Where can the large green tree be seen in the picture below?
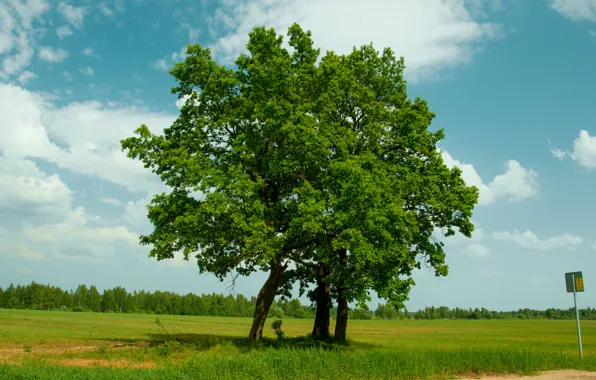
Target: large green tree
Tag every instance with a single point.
(328, 166)
(247, 139)
(384, 193)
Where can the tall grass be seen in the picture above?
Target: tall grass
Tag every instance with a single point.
(291, 363)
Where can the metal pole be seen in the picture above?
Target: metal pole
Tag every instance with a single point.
(579, 334)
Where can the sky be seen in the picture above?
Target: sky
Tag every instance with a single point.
(512, 82)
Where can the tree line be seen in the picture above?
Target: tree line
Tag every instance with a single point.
(118, 300)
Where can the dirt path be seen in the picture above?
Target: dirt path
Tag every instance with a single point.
(550, 375)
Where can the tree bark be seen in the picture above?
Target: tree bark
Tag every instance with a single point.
(264, 301)
(323, 300)
(341, 324)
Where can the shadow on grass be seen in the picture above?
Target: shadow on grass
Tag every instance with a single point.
(204, 342)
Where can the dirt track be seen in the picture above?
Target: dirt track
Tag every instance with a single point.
(551, 375)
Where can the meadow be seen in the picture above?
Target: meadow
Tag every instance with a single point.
(65, 345)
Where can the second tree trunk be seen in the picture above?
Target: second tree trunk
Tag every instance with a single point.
(341, 324)
(323, 301)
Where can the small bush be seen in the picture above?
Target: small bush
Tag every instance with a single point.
(276, 326)
(168, 348)
(77, 309)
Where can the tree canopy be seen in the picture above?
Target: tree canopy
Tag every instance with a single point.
(321, 162)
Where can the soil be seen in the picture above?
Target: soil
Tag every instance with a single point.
(104, 363)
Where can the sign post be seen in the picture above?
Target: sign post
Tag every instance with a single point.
(575, 283)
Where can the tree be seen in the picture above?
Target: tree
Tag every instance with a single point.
(329, 166)
(248, 141)
(384, 192)
(93, 301)
(121, 297)
(108, 301)
(80, 296)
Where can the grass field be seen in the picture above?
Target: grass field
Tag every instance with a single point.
(37, 344)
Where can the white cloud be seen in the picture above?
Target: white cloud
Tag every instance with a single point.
(529, 240)
(52, 55)
(21, 128)
(26, 76)
(64, 31)
(576, 10)
(584, 150)
(77, 238)
(26, 191)
(167, 62)
(88, 71)
(135, 213)
(75, 16)
(477, 250)
(89, 135)
(37, 219)
(161, 64)
(17, 250)
(28, 195)
(516, 184)
(558, 153)
(6, 26)
(430, 34)
(111, 201)
(193, 33)
(180, 102)
(18, 34)
(89, 52)
(105, 10)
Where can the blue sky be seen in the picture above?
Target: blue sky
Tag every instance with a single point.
(512, 83)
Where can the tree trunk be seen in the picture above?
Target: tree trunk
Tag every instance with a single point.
(341, 324)
(264, 301)
(323, 300)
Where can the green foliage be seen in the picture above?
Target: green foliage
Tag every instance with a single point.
(387, 189)
(276, 326)
(168, 348)
(443, 312)
(108, 301)
(246, 140)
(296, 161)
(22, 297)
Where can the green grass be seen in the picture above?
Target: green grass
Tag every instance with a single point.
(316, 364)
(64, 345)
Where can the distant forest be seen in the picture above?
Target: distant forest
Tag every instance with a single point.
(88, 299)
